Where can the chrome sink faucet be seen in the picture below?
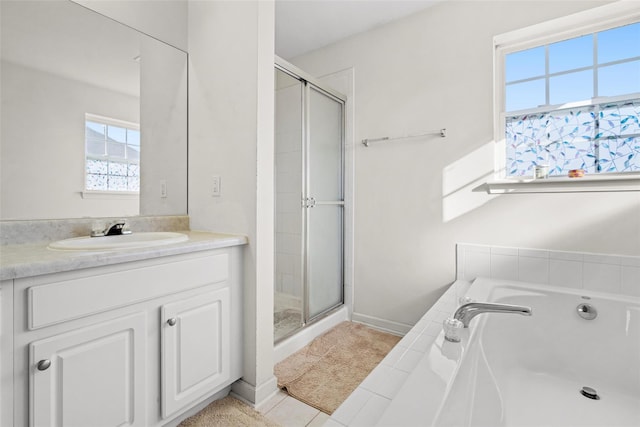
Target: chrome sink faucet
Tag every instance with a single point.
(466, 312)
(115, 228)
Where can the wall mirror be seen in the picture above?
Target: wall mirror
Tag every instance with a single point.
(64, 68)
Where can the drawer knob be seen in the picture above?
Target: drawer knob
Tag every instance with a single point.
(172, 321)
(43, 365)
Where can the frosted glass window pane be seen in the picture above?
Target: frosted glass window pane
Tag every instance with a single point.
(525, 95)
(571, 87)
(118, 169)
(325, 258)
(325, 147)
(620, 155)
(134, 170)
(563, 140)
(524, 64)
(97, 166)
(619, 79)
(571, 54)
(619, 43)
(621, 119)
(133, 183)
(96, 182)
(117, 183)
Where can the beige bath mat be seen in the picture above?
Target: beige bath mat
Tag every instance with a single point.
(228, 412)
(325, 372)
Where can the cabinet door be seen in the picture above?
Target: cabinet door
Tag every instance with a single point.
(93, 376)
(195, 348)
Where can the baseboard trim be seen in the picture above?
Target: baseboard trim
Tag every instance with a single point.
(253, 395)
(395, 328)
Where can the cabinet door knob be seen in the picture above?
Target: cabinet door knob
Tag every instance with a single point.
(44, 364)
(172, 321)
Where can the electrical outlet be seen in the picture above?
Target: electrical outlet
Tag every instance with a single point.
(215, 186)
(163, 188)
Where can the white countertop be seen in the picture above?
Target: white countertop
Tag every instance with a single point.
(33, 259)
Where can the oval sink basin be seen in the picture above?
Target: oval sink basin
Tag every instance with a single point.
(125, 241)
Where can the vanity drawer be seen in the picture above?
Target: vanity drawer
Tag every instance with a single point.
(63, 297)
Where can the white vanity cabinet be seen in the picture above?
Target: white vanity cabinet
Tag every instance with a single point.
(132, 344)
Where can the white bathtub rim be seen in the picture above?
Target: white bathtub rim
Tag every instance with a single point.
(481, 283)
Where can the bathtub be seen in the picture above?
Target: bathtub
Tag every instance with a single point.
(511, 370)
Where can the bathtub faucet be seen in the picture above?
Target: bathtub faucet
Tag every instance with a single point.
(468, 311)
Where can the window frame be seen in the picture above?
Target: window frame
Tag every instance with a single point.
(93, 194)
(582, 23)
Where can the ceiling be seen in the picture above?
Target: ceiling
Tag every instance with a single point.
(306, 25)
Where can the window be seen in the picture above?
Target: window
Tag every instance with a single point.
(112, 150)
(571, 102)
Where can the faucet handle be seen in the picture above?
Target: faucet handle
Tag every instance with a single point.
(452, 329)
(114, 228)
(117, 228)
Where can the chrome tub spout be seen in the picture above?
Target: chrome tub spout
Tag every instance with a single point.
(470, 310)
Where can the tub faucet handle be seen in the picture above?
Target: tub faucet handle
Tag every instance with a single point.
(452, 329)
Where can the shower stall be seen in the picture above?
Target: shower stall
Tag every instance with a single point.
(309, 200)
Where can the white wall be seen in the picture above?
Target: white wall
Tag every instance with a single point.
(413, 199)
(162, 19)
(163, 125)
(231, 104)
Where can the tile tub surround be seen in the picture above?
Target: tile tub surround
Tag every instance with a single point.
(33, 259)
(615, 274)
(34, 231)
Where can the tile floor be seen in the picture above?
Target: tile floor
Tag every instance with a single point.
(289, 412)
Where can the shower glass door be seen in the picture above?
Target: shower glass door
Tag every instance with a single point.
(309, 202)
(324, 267)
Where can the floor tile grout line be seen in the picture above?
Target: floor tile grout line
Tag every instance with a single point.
(315, 416)
(281, 402)
(277, 404)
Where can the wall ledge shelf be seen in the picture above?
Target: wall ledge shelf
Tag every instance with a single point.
(605, 183)
(92, 194)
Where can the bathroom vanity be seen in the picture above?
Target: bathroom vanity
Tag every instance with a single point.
(123, 337)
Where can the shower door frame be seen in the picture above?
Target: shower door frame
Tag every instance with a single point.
(309, 83)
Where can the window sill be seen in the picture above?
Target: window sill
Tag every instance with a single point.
(113, 195)
(562, 185)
